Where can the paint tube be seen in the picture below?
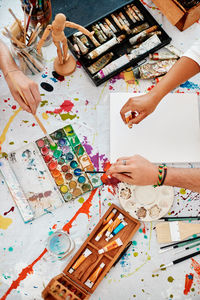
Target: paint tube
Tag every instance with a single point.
(110, 216)
(129, 115)
(124, 26)
(95, 42)
(133, 13)
(106, 31)
(140, 36)
(140, 28)
(113, 66)
(162, 56)
(124, 19)
(80, 260)
(116, 222)
(98, 34)
(84, 40)
(100, 63)
(76, 48)
(130, 15)
(99, 235)
(116, 230)
(93, 278)
(137, 11)
(109, 29)
(117, 21)
(99, 50)
(174, 50)
(101, 31)
(110, 246)
(112, 27)
(148, 71)
(149, 44)
(81, 46)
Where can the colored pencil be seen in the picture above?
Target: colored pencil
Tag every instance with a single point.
(187, 248)
(179, 218)
(176, 261)
(179, 244)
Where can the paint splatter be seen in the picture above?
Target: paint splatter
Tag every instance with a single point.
(196, 266)
(45, 116)
(64, 117)
(47, 87)
(66, 106)
(170, 279)
(188, 283)
(12, 209)
(57, 76)
(190, 85)
(5, 222)
(81, 200)
(43, 103)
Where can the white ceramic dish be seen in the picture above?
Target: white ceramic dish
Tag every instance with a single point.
(146, 203)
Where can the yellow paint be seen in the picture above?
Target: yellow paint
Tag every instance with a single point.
(45, 116)
(5, 222)
(182, 191)
(100, 96)
(128, 76)
(135, 254)
(3, 135)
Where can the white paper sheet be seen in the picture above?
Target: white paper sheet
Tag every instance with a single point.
(170, 134)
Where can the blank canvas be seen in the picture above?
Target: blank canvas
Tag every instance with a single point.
(170, 134)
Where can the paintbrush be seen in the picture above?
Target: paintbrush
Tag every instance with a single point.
(179, 218)
(35, 116)
(29, 17)
(176, 261)
(123, 252)
(178, 245)
(94, 172)
(34, 34)
(187, 248)
(175, 231)
(17, 20)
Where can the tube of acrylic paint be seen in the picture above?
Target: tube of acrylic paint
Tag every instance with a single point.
(91, 280)
(100, 63)
(163, 55)
(116, 230)
(101, 31)
(112, 27)
(149, 44)
(110, 216)
(137, 11)
(148, 71)
(99, 235)
(140, 36)
(174, 50)
(110, 246)
(80, 260)
(116, 222)
(99, 50)
(140, 28)
(107, 31)
(98, 34)
(81, 46)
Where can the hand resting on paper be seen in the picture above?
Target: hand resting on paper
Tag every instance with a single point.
(139, 171)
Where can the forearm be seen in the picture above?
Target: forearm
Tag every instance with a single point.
(6, 61)
(184, 69)
(79, 27)
(184, 178)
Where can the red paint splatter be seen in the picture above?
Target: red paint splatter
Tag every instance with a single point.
(86, 102)
(66, 106)
(5, 100)
(150, 88)
(23, 275)
(54, 226)
(12, 209)
(110, 87)
(33, 125)
(144, 229)
(14, 107)
(106, 180)
(29, 269)
(188, 283)
(78, 64)
(149, 6)
(196, 266)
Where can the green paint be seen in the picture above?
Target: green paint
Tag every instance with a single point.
(10, 249)
(134, 243)
(81, 200)
(50, 232)
(5, 276)
(192, 289)
(42, 94)
(161, 267)
(170, 279)
(134, 296)
(76, 99)
(67, 116)
(182, 191)
(135, 254)
(140, 230)
(43, 103)
(25, 121)
(11, 143)
(145, 236)
(26, 142)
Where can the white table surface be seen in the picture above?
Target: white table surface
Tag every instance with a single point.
(24, 271)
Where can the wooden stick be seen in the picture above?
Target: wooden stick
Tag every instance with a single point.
(18, 21)
(35, 116)
(24, 26)
(16, 41)
(34, 34)
(29, 17)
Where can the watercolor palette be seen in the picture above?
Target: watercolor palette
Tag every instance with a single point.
(146, 203)
(75, 278)
(119, 42)
(67, 161)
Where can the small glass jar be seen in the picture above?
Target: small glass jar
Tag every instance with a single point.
(27, 58)
(60, 244)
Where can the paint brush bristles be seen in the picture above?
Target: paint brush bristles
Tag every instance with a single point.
(50, 139)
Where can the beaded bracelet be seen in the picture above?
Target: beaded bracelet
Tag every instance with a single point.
(162, 172)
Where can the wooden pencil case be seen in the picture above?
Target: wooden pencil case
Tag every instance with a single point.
(73, 284)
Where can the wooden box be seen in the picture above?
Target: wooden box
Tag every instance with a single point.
(72, 285)
(179, 16)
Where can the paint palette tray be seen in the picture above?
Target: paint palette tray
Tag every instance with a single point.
(115, 32)
(67, 161)
(76, 278)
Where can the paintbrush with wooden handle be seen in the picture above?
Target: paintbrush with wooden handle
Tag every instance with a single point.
(35, 116)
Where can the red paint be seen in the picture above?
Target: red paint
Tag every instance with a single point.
(52, 166)
(29, 269)
(23, 275)
(144, 3)
(5, 100)
(14, 107)
(144, 229)
(47, 158)
(188, 283)
(45, 150)
(66, 106)
(85, 209)
(106, 180)
(150, 88)
(78, 64)
(12, 209)
(33, 125)
(54, 226)
(196, 266)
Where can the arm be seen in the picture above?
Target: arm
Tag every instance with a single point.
(146, 104)
(79, 27)
(43, 38)
(29, 87)
(142, 172)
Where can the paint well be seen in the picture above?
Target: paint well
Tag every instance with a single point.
(40, 143)
(65, 149)
(68, 176)
(47, 158)
(45, 150)
(72, 184)
(77, 172)
(74, 164)
(69, 156)
(64, 189)
(53, 147)
(62, 142)
(81, 179)
(86, 187)
(57, 154)
(59, 180)
(65, 168)
(53, 165)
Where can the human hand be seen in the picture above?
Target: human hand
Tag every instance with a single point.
(144, 105)
(137, 170)
(29, 89)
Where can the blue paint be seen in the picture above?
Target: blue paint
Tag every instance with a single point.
(81, 179)
(44, 75)
(77, 172)
(58, 243)
(69, 156)
(190, 85)
(73, 164)
(53, 79)
(62, 142)
(118, 228)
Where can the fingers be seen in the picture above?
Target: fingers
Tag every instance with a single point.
(123, 178)
(36, 94)
(30, 100)
(120, 159)
(118, 168)
(23, 105)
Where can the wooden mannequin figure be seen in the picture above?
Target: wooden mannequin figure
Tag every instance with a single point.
(64, 64)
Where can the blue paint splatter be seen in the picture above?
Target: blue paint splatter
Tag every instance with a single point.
(54, 79)
(44, 75)
(190, 85)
